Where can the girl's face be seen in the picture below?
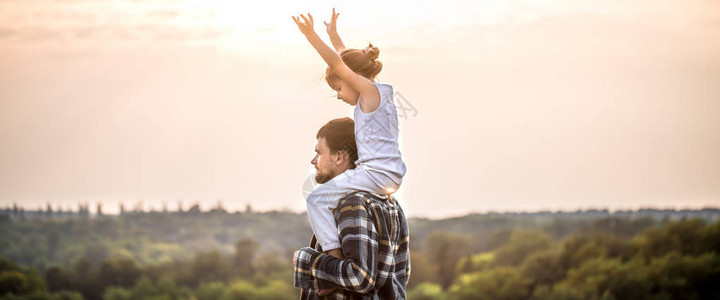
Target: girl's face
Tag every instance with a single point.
(345, 92)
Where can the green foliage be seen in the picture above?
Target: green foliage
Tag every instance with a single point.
(446, 249)
(426, 291)
(521, 244)
(499, 284)
(116, 293)
(210, 291)
(18, 282)
(67, 295)
(245, 250)
(544, 267)
(209, 266)
(676, 261)
(688, 237)
(225, 256)
(422, 269)
(144, 289)
(118, 271)
(273, 290)
(13, 282)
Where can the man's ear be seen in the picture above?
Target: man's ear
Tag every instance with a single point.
(340, 157)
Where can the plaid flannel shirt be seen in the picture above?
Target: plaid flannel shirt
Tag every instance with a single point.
(375, 241)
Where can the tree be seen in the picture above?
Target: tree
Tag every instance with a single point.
(273, 290)
(522, 243)
(118, 271)
(96, 253)
(13, 283)
(84, 279)
(496, 284)
(116, 293)
(446, 249)
(601, 277)
(53, 241)
(268, 263)
(209, 266)
(195, 209)
(685, 236)
(57, 279)
(245, 250)
(426, 291)
(7, 265)
(678, 276)
(210, 291)
(20, 283)
(578, 248)
(166, 287)
(543, 267)
(422, 269)
(144, 288)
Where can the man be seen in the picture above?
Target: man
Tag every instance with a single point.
(373, 233)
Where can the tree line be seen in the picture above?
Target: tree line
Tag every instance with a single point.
(219, 255)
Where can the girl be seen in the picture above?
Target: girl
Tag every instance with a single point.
(379, 167)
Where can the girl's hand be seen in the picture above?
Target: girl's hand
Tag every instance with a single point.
(331, 28)
(306, 26)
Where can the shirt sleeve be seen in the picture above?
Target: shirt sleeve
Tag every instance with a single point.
(357, 272)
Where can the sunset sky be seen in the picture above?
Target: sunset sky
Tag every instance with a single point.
(512, 105)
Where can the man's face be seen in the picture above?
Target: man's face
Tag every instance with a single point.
(326, 166)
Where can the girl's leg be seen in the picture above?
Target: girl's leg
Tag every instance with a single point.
(384, 185)
(323, 200)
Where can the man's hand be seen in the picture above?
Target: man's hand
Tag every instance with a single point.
(306, 25)
(331, 27)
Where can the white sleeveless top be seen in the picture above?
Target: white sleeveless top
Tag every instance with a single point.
(376, 136)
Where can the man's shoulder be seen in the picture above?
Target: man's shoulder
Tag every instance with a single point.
(358, 197)
(369, 200)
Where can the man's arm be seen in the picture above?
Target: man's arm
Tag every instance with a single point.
(357, 272)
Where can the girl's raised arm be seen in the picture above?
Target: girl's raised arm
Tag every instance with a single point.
(333, 34)
(369, 95)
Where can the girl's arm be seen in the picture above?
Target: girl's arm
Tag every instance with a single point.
(369, 95)
(332, 32)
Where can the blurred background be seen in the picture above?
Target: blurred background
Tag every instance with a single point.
(158, 149)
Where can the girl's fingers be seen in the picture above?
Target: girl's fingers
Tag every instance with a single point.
(311, 19)
(297, 21)
(304, 18)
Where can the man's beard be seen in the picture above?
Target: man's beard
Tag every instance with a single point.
(322, 177)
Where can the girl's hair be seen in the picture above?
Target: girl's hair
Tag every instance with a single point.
(363, 62)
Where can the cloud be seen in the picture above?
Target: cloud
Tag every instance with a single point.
(6, 32)
(163, 14)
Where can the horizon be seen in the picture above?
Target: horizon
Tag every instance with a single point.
(130, 209)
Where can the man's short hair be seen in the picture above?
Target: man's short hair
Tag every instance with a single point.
(339, 134)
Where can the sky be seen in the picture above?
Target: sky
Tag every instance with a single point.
(505, 105)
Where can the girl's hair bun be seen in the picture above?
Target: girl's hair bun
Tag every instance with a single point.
(360, 61)
(372, 52)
